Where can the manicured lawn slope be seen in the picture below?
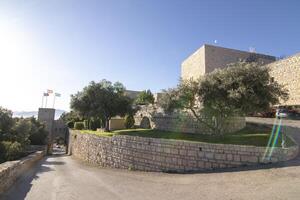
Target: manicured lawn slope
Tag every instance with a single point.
(248, 136)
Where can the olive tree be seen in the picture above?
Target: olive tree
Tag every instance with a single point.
(101, 100)
(239, 89)
(144, 98)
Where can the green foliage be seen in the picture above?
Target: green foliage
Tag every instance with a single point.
(101, 100)
(6, 122)
(94, 124)
(129, 121)
(10, 150)
(239, 89)
(79, 125)
(38, 132)
(70, 117)
(70, 124)
(86, 124)
(16, 133)
(144, 98)
(21, 131)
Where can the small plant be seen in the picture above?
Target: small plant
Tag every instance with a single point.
(79, 125)
(70, 124)
(10, 150)
(94, 124)
(129, 121)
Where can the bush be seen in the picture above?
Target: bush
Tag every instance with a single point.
(144, 98)
(86, 124)
(10, 151)
(129, 121)
(94, 124)
(79, 125)
(70, 124)
(38, 138)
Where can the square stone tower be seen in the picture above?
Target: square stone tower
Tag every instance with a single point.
(209, 57)
(47, 116)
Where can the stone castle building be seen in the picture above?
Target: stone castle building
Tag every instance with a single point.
(208, 58)
(287, 72)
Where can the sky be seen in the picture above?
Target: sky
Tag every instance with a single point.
(65, 44)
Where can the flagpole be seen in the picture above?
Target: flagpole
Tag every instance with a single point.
(54, 100)
(43, 100)
(46, 101)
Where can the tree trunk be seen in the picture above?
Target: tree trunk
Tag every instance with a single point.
(107, 124)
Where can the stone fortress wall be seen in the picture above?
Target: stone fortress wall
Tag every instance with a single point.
(287, 72)
(208, 58)
(163, 155)
(10, 171)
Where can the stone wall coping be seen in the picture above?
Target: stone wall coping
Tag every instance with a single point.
(10, 171)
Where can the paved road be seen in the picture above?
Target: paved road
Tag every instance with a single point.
(64, 178)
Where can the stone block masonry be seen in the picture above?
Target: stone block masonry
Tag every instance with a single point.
(287, 73)
(163, 155)
(10, 171)
(180, 123)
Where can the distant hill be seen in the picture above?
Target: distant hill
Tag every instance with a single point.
(26, 114)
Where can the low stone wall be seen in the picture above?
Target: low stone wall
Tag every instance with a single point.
(188, 124)
(10, 171)
(152, 117)
(152, 154)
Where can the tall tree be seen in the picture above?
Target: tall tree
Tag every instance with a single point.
(6, 122)
(101, 100)
(144, 98)
(239, 89)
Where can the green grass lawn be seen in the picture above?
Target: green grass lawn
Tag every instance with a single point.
(248, 136)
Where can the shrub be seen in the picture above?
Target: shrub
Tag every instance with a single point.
(10, 151)
(129, 121)
(14, 151)
(38, 138)
(86, 124)
(94, 124)
(79, 125)
(144, 98)
(70, 124)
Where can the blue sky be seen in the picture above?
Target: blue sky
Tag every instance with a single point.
(63, 44)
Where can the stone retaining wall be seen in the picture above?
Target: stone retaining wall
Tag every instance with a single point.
(152, 154)
(10, 171)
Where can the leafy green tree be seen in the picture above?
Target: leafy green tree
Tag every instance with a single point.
(144, 98)
(21, 132)
(70, 116)
(38, 133)
(129, 121)
(101, 100)
(239, 89)
(6, 122)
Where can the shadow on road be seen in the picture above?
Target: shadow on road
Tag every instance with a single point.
(25, 182)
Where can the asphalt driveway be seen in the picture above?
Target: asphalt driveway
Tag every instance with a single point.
(62, 177)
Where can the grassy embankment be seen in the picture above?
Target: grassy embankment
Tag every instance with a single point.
(256, 136)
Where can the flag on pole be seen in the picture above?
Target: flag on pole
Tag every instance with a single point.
(46, 94)
(57, 94)
(49, 91)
